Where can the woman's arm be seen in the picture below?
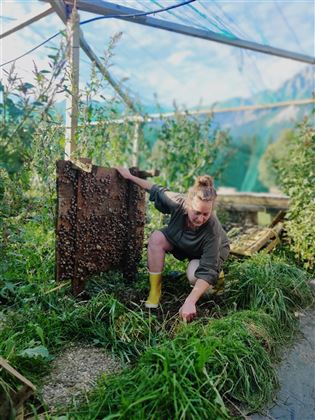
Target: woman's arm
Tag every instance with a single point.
(188, 311)
(143, 183)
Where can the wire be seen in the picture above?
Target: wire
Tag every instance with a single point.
(181, 18)
(99, 18)
(291, 30)
(237, 30)
(163, 9)
(33, 49)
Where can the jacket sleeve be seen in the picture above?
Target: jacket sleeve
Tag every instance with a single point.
(209, 265)
(164, 200)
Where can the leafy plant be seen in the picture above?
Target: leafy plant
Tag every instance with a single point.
(268, 173)
(187, 147)
(297, 179)
(26, 118)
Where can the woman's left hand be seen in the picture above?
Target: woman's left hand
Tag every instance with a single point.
(188, 311)
(125, 173)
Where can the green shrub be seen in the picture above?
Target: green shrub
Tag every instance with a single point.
(297, 179)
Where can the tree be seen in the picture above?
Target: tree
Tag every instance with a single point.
(188, 146)
(276, 151)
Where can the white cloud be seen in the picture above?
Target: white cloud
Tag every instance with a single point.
(178, 58)
(175, 66)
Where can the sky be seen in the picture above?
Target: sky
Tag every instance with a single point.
(171, 66)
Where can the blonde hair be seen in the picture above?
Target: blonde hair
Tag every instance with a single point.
(203, 189)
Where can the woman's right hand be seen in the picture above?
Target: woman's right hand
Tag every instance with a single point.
(125, 173)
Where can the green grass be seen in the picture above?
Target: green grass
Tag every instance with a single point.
(198, 373)
(176, 371)
(39, 331)
(269, 283)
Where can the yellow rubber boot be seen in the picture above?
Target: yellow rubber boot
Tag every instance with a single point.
(219, 287)
(155, 290)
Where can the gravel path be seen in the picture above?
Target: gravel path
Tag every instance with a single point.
(74, 373)
(296, 397)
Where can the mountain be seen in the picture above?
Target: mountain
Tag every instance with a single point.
(253, 130)
(301, 86)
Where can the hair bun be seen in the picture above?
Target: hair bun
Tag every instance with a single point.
(204, 181)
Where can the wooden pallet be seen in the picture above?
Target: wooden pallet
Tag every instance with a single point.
(254, 239)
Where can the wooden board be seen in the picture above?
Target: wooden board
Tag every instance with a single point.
(100, 223)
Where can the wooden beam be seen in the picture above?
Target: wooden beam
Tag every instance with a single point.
(106, 8)
(240, 108)
(72, 105)
(253, 201)
(27, 22)
(135, 145)
(6, 366)
(60, 9)
(153, 117)
(15, 398)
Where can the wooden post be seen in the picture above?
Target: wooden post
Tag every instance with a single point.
(59, 7)
(72, 105)
(135, 146)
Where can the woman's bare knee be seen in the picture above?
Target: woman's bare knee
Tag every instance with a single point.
(157, 239)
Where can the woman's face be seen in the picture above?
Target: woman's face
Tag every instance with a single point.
(199, 211)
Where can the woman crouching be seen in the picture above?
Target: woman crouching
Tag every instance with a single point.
(193, 233)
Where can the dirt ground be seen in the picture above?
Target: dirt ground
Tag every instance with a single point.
(296, 397)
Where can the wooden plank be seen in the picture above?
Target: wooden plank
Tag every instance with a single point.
(5, 365)
(256, 238)
(272, 245)
(252, 201)
(260, 241)
(106, 8)
(100, 224)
